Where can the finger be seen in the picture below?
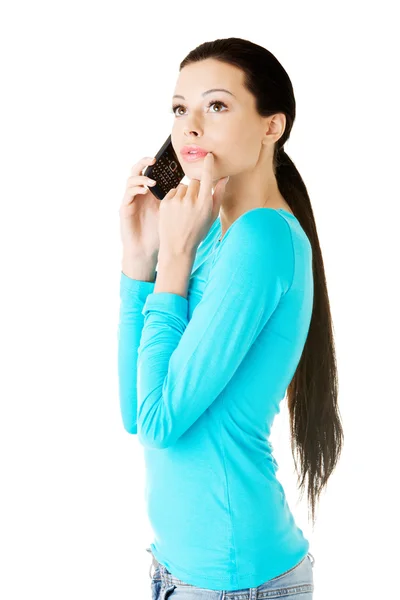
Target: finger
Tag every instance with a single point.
(193, 188)
(207, 175)
(140, 179)
(130, 194)
(181, 190)
(170, 194)
(141, 164)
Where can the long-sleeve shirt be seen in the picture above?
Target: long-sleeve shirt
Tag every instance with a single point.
(201, 380)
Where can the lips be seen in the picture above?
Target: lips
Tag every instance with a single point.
(193, 150)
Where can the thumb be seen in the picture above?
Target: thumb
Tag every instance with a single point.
(218, 195)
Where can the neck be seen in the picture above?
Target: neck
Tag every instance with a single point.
(237, 201)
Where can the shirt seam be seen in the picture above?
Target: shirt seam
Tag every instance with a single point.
(293, 253)
(227, 488)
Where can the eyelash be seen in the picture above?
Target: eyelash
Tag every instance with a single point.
(173, 109)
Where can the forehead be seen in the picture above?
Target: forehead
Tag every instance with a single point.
(196, 78)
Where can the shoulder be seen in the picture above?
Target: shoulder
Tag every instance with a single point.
(260, 230)
(259, 246)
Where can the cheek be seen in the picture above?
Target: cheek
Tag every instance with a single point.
(233, 159)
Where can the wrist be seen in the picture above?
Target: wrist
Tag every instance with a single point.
(173, 273)
(138, 253)
(139, 267)
(168, 257)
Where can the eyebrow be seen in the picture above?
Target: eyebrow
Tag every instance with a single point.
(208, 92)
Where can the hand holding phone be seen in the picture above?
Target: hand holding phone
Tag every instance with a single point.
(139, 214)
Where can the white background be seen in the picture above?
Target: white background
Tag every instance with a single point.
(86, 92)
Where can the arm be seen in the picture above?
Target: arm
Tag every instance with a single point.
(136, 283)
(184, 366)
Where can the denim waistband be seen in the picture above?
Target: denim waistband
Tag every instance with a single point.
(163, 570)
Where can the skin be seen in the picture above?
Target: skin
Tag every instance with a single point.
(241, 141)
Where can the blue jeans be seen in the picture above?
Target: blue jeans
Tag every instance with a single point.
(296, 584)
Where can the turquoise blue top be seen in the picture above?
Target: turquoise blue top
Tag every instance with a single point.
(201, 380)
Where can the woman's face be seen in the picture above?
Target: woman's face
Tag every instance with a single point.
(230, 127)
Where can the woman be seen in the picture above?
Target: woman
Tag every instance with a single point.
(237, 316)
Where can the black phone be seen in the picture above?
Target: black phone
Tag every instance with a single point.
(166, 171)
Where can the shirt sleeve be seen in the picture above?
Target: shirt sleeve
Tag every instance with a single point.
(133, 294)
(184, 365)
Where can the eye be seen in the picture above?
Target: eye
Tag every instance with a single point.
(173, 109)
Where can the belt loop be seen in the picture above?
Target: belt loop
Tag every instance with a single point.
(152, 563)
(313, 559)
(167, 577)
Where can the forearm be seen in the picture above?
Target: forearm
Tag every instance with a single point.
(136, 283)
(173, 273)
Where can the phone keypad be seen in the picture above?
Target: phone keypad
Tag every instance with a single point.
(167, 172)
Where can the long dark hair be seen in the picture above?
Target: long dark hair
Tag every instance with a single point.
(315, 424)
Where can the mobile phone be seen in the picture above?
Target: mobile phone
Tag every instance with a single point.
(166, 171)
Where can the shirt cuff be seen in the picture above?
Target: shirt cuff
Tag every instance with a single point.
(168, 303)
(136, 287)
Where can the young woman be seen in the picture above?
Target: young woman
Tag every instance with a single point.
(236, 316)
